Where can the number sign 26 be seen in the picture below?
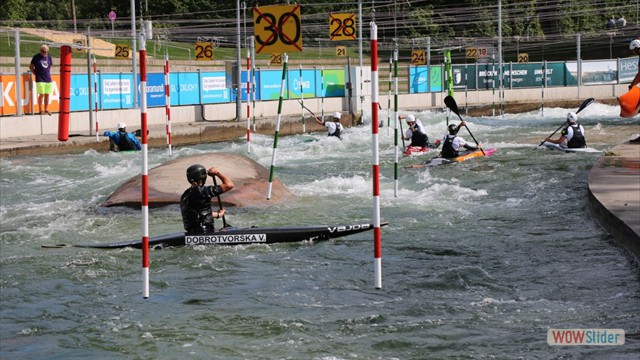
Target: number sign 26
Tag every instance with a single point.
(204, 51)
(277, 28)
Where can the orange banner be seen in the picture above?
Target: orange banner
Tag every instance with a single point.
(9, 100)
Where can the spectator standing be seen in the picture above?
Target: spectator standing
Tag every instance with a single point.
(41, 64)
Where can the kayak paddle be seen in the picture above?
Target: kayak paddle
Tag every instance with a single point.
(584, 104)
(451, 104)
(224, 221)
(401, 134)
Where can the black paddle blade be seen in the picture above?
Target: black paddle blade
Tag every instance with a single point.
(585, 103)
(451, 104)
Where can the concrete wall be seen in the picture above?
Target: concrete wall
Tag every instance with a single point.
(29, 125)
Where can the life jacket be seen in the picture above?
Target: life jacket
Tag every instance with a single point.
(336, 133)
(447, 147)
(124, 143)
(196, 211)
(578, 140)
(418, 138)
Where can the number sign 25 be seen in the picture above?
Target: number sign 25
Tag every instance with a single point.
(122, 51)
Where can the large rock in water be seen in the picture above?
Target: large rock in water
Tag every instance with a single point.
(168, 181)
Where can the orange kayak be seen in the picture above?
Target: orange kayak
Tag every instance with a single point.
(630, 103)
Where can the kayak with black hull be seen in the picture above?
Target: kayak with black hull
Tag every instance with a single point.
(234, 236)
(443, 161)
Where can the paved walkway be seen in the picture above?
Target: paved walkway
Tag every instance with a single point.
(614, 194)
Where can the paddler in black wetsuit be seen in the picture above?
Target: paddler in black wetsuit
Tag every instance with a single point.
(415, 131)
(451, 143)
(573, 135)
(195, 202)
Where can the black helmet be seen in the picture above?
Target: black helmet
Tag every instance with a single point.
(196, 173)
(452, 128)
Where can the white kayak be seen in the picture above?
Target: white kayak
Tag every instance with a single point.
(553, 146)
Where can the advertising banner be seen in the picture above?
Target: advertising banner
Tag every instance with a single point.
(628, 70)
(117, 91)
(271, 80)
(184, 88)
(155, 89)
(213, 88)
(306, 87)
(333, 81)
(418, 79)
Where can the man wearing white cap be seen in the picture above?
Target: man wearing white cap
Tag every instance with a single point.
(334, 127)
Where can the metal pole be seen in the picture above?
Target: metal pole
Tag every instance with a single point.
(89, 80)
(17, 69)
(134, 50)
(238, 70)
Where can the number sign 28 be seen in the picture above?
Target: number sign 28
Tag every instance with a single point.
(277, 28)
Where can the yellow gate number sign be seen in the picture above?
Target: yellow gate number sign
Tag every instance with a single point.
(341, 51)
(474, 53)
(122, 51)
(523, 57)
(277, 29)
(342, 27)
(79, 45)
(204, 51)
(276, 59)
(418, 57)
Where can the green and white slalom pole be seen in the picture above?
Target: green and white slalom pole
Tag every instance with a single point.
(278, 119)
(253, 80)
(449, 77)
(304, 127)
(396, 151)
(389, 96)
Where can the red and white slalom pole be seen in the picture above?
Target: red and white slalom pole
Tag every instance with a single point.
(145, 167)
(167, 100)
(248, 101)
(95, 91)
(377, 240)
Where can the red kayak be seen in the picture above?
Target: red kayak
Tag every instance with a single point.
(418, 150)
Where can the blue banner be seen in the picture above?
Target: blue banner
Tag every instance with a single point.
(294, 81)
(333, 82)
(213, 85)
(184, 88)
(244, 85)
(155, 90)
(117, 90)
(79, 93)
(418, 81)
(271, 80)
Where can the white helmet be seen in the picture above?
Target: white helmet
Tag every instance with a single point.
(410, 118)
(635, 44)
(572, 117)
(337, 115)
(122, 125)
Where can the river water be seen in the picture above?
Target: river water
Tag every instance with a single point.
(480, 258)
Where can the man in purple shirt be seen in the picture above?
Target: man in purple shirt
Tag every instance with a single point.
(41, 64)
